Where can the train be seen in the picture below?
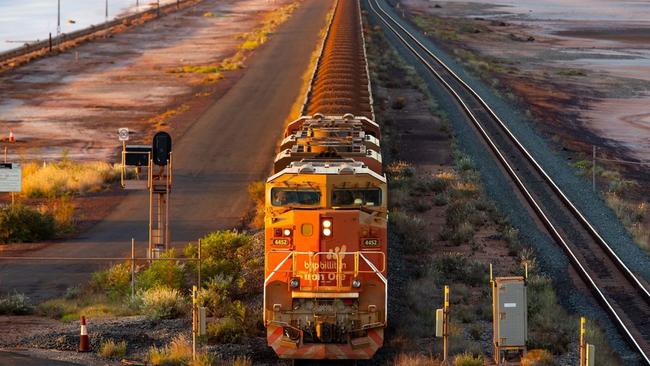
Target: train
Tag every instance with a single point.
(326, 213)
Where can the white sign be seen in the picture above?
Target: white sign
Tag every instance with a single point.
(123, 134)
(11, 177)
(510, 305)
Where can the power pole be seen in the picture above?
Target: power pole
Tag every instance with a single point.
(58, 18)
(106, 12)
(593, 168)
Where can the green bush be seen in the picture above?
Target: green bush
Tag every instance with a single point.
(226, 330)
(162, 303)
(15, 304)
(162, 273)
(115, 281)
(22, 224)
(231, 254)
(550, 327)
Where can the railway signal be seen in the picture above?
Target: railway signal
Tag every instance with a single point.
(141, 158)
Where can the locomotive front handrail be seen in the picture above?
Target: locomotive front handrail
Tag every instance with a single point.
(313, 272)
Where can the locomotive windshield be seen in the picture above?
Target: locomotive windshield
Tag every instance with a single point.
(356, 197)
(295, 197)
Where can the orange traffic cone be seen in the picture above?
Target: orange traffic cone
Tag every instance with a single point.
(11, 136)
(84, 343)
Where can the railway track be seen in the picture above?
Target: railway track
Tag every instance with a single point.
(623, 295)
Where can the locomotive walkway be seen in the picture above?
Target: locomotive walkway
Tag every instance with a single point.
(226, 148)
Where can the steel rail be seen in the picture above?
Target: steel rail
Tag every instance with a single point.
(535, 205)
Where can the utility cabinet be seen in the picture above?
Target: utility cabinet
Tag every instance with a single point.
(510, 315)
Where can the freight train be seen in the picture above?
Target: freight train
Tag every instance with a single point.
(325, 286)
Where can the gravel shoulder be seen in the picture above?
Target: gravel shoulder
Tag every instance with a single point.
(550, 257)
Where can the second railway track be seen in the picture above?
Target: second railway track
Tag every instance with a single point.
(623, 295)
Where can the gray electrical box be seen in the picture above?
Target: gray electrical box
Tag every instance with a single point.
(509, 313)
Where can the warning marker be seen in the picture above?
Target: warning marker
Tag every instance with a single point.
(12, 138)
(84, 343)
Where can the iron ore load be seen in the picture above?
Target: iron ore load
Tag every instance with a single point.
(325, 286)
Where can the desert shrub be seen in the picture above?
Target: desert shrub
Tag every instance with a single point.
(65, 177)
(412, 231)
(231, 254)
(177, 353)
(15, 304)
(464, 233)
(538, 357)
(400, 174)
(114, 281)
(112, 349)
(398, 103)
(216, 295)
(464, 163)
(72, 293)
(163, 303)
(242, 361)
(468, 359)
(550, 326)
(165, 273)
(456, 268)
(475, 331)
(226, 330)
(20, 224)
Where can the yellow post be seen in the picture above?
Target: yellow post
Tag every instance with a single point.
(583, 341)
(194, 322)
(445, 326)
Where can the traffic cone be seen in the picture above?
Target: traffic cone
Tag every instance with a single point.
(11, 136)
(84, 343)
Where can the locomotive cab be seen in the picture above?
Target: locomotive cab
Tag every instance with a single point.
(325, 262)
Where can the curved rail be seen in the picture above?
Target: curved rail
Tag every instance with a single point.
(555, 232)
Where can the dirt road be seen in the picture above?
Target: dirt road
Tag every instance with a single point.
(231, 144)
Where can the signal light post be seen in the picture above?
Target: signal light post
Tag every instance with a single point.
(157, 157)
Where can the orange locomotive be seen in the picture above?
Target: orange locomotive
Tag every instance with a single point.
(325, 287)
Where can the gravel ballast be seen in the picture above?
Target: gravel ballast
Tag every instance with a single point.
(498, 187)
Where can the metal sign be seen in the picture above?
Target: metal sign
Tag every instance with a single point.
(11, 177)
(123, 134)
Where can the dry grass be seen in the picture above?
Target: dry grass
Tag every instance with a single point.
(538, 357)
(90, 305)
(66, 177)
(415, 360)
(113, 349)
(256, 191)
(178, 352)
(468, 359)
(162, 119)
(272, 20)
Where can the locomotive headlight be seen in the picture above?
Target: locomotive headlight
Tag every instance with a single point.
(287, 232)
(327, 231)
(356, 283)
(295, 282)
(327, 223)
